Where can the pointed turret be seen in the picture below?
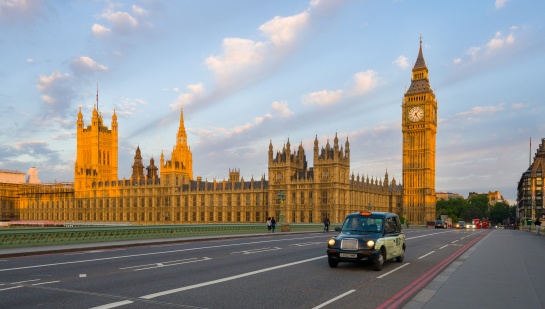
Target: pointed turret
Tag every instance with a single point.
(420, 63)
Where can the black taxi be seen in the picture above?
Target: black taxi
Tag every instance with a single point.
(367, 237)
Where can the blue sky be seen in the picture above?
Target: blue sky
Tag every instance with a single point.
(250, 72)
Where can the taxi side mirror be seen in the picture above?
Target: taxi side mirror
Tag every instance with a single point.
(337, 229)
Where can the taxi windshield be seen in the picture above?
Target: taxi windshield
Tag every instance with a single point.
(362, 224)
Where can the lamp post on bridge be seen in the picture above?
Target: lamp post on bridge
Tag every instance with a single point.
(282, 197)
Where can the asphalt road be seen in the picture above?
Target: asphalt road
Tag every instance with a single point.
(278, 270)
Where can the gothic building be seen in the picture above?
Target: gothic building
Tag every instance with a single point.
(419, 127)
(530, 187)
(309, 193)
(295, 191)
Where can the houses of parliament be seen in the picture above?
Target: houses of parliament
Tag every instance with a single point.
(168, 193)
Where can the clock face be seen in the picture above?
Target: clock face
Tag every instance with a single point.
(416, 113)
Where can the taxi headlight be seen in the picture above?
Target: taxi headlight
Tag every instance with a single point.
(370, 243)
(331, 241)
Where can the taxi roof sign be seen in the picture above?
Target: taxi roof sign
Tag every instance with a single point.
(365, 213)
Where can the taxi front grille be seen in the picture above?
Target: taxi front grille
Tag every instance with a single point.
(349, 244)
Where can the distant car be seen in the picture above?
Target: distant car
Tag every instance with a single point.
(461, 225)
(440, 224)
(365, 236)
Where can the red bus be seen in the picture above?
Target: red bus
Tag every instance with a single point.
(477, 223)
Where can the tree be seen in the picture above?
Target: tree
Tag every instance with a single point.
(454, 208)
(478, 207)
(500, 212)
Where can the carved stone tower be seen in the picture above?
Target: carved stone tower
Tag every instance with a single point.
(419, 127)
(179, 169)
(96, 153)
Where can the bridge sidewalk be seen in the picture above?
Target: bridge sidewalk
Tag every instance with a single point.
(505, 269)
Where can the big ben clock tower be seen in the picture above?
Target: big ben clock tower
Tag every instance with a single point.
(419, 127)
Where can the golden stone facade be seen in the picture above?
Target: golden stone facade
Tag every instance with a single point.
(174, 197)
(294, 191)
(419, 127)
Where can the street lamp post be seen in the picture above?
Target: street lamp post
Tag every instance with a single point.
(281, 197)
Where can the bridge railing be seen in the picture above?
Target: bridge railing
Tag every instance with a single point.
(30, 237)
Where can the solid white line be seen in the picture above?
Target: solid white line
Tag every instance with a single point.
(257, 250)
(152, 253)
(334, 299)
(113, 305)
(393, 270)
(199, 285)
(25, 281)
(13, 287)
(173, 264)
(45, 282)
(155, 264)
(425, 255)
(443, 247)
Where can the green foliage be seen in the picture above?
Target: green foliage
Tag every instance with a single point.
(458, 209)
(454, 208)
(500, 212)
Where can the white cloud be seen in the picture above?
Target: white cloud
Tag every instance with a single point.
(29, 60)
(138, 10)
(500, 4)
(127, 107)
(19, 11)
(214, 134)
(498, 43)
(323, 98)
(284, 30)
(243, 58)
(85, 66)
(281, 107)
(184, 99)
(57, 92)
(238, 55)
(457, 61)
(121, 22)
(364, 82)
(402, 62)
(100, 30)
(518, 105)
(477, 110)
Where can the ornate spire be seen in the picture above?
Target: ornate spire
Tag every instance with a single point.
(181, 136)
(420, 63)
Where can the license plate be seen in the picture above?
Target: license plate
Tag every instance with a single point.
(349, 255)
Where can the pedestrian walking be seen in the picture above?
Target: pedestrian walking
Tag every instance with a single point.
(540, 223)
(273, 224)
(326, 225)
(269, 224)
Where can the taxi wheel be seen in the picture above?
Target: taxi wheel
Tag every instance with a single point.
(399, 259)
(377, 263)
(332, 263)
